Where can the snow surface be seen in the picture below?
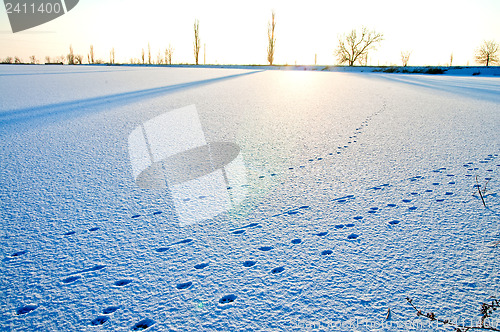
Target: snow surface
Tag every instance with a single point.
(359, 193)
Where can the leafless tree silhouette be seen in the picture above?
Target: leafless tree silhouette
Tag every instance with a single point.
(354, 46)
(451, 59)
(168, 54)
(149, 54)
(405, 57)
(112, 56)
(33, 60)
(71, 56)
(90, 56)
(272, 40)
(78, 59)
(142, 56)
(197, 42)
(487, 53)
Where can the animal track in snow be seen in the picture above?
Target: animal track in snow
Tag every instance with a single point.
(110, 310)
(25, 309)
(69, 233)
(227, 299)
(266, 248)
(99, 320)
(143, 324)
(19, 253)
(296, 241)
(249, 263)
(201, 266)
(122, 282)
(326, 252)
(278, 269)
(181, 242)
(92, 269)
(71, 279)
(184, 285)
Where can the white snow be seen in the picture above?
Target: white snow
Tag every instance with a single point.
(358, 192)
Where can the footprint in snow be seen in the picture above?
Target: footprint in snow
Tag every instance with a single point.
(184, 285)
(93, 268)
(249, 263)
(71, 279)
(157, 213)
(143, 324)
(69, 233)
(93, 229)
(321, 233)
(201, 266)
(352, 236)
(237, 230)
(135, 216)
(339, 226)
(278, 269)
(326, 252)
(394, 222)
(25, 309)
(110, 310)
(266, 248)
(182, 242)
(357, 218)
(19, 253)
(227, 299)
(296, 241)
(122, 282)
(99, 320)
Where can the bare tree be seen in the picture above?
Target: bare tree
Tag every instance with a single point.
(451, 59)
(168, 54)
(78, 59)
(487, 53)
(142, 56)
(354, 46)
(33, 60)
(17, 60)
(197, 42)
(71, 56)
(90, 56)
(159, 58)
(271, 47)
(405, 57)
(149, 54)
(112, 56)
(8, 59)
(47, 59)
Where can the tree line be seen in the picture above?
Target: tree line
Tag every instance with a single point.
(352, 49)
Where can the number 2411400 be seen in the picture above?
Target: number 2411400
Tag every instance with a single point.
(42, 8)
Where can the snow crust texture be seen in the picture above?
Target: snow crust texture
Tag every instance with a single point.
(361, 190)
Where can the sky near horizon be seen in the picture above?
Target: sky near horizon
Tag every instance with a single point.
(235, 32)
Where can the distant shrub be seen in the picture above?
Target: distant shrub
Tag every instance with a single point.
(391, 70)
(476, 73)
(434, 71)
